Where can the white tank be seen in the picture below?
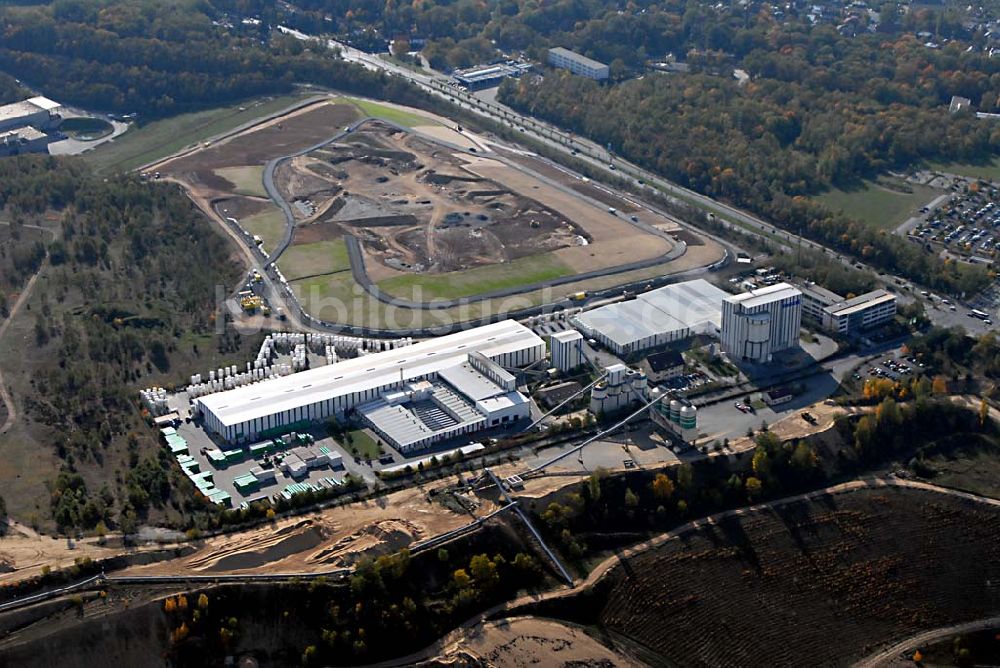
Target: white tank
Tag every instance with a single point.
(675, 410)
(689, 417)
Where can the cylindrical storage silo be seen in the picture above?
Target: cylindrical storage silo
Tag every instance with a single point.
(689, 417)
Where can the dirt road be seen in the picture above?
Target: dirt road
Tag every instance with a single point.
(4, 392)
(901, 653)
(601, 570)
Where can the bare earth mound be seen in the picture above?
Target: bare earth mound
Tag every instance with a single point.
(814, 583)
(513, 643)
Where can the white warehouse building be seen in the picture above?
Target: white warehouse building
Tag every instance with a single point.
(655, 318)
(244, 413)
(759, 323)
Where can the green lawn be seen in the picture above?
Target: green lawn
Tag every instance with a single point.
(397, 116)
(876, 205)
(268, 224)
(989, 171)
(364, 445)
(249, 180)
(523, 271)
(322, 257)
(158, 139)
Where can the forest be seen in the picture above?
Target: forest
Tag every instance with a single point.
(819, 111)
(159, 59)
(127, 301)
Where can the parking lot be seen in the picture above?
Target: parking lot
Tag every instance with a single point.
(966, 222)
(893, 366)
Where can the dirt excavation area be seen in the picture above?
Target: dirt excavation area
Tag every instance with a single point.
(418, 206)
(24, 552)
(322, 541)
(527, 641)
(227, 177)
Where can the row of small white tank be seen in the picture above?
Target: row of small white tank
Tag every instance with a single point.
(299, 360)
(155, 399)
(330, 352)
(238, 380)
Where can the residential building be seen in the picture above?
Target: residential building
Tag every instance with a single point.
(664, 366)
(577, 64)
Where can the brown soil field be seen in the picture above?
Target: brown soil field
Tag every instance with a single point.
(527, 641)
(614, 240)
(415, 206)
(321, 541)
(820, 582)
(288, 134)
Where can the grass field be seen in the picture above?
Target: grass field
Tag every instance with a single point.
(322, 257)
(158, 139)
(876, 205)
(989, 171)
(269, 225)
(358, 441)
(398, 116)
(249, 180)
(523, 271)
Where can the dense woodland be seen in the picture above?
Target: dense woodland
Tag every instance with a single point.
(162, 58)
(130, 289)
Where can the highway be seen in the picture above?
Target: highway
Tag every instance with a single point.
(598, 157)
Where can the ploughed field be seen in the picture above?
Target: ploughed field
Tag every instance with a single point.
(825, 582)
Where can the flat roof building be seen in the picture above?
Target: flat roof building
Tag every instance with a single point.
(759, 323)
(578, 64)
(839, 315)
(567, 349)
(490, 75)
(655, 318)
(244, 413)
(38, 112)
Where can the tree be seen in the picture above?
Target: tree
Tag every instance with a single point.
(804, 457)
(753, 487)
(984, 416)
(202, 601)
(631, 500)
(484, 572)
(663, 487)
(685, 477)
(940, 385)
(761, 463)
(461, 578)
